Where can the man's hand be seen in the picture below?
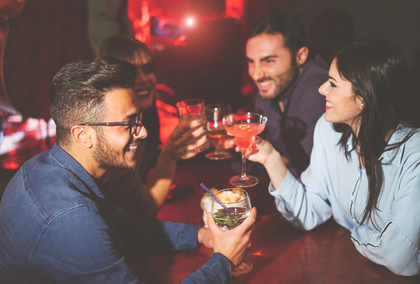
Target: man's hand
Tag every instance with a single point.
(186, 140)
(205, 237)
(233, 244)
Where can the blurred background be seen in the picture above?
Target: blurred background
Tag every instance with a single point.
(198, 45)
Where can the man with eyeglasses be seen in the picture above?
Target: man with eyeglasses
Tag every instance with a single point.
(55, 224)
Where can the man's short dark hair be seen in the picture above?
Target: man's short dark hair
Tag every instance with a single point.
(78, 90)
(289, 26)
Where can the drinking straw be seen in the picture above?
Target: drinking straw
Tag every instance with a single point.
(215, 198)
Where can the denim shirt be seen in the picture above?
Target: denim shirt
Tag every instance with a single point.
(56, 227)
(291, 132)
(334, 186)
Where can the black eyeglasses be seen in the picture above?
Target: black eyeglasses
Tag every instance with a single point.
(134, 125)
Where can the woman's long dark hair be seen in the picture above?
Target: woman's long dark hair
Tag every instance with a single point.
(380, 76)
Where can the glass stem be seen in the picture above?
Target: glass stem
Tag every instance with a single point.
(243, 174)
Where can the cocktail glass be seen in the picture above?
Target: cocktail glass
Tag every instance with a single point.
(244, 127)
(238, 202)
(216, 131)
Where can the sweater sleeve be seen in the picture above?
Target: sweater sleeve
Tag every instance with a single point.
(305, 202)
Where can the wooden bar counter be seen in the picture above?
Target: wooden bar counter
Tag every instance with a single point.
(279, 252)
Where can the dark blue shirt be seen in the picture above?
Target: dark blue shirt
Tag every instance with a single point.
(56, 227)
(291, 132)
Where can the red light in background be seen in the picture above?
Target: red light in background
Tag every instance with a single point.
(234, 8)
(180, 41)
(189, 22)
(138, 13)
(11, 165)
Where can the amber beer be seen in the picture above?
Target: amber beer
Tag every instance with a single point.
(217, 137)
(216, 131)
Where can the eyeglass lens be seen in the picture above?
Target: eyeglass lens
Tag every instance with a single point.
(136, 125)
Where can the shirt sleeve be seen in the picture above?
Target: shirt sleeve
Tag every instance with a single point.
(216, 270)
(305, 202)
(83, 245)
(396, 244)
(151, 235)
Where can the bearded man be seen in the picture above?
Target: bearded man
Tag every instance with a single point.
(287, 81)
(55, 224)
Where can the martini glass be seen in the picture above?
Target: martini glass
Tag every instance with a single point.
(238, 202)
(244, 127)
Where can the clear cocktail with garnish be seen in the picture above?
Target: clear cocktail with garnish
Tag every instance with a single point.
(244, 127)
(238, 202)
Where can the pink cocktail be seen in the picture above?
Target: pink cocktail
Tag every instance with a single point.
(244, 127)
(244, 132)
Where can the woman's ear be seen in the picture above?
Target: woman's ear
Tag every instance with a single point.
(360, 102)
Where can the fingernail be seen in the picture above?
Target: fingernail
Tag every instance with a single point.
(199, 121)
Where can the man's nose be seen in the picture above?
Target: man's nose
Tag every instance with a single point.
(142, 134)
(256, 72)
(141, 78)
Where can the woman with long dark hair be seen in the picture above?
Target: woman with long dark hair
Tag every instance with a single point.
(365, 163)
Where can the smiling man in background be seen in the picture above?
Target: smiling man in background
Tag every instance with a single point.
(287, 81)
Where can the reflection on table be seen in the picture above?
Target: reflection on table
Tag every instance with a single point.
(279, 252)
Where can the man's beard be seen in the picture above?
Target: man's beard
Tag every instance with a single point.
(287, 79)
(108, 157)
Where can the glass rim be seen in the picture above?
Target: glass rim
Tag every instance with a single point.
(263, 117)
(231, 189)
(190, 102)
(212, 106)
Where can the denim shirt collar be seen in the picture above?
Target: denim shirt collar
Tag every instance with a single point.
(66, 161)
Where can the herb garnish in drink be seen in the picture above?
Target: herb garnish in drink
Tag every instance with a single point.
(222, 218)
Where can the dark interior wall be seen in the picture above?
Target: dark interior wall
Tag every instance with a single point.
(47, 35)
(50, 33)
(209, 67)
(395, 20)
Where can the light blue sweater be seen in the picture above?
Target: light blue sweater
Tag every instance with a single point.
(335, 186)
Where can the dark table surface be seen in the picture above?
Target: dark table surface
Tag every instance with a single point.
(279, 252)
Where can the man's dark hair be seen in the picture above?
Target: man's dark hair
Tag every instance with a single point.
(78, 90)
(289, 26)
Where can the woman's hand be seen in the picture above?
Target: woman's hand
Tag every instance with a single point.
(264, 153)
(260, 151)
(186, 141)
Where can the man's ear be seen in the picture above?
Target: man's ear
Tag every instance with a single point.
(82, 135)
(302, 56)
